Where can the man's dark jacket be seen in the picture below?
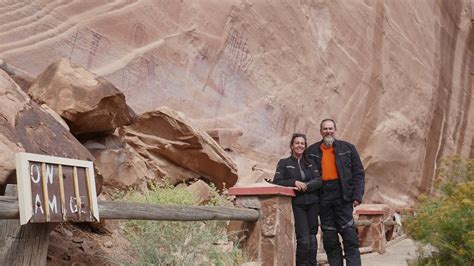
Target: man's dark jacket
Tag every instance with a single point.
(349, 168)
(288, 171)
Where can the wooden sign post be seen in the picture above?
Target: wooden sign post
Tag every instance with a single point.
(55, 189)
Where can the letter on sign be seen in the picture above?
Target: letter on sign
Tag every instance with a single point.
(55, 189)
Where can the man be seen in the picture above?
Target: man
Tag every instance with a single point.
(342, 189)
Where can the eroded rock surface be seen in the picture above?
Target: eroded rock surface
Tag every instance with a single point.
(88, 103)
(26, 127)
(201, 190)
(167, 134)
(124, 166)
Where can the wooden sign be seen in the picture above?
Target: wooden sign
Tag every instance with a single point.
(55, 189)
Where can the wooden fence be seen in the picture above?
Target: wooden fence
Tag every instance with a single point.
(266, 215)
(142, 211)
(28, 244)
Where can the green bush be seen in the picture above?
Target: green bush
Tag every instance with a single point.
(445, 219)
(179, 243)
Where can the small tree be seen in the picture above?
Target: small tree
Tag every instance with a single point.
(446, 219)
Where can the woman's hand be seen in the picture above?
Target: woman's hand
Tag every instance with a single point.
(300, 186)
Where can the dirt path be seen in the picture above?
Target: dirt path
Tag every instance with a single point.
(396, 254)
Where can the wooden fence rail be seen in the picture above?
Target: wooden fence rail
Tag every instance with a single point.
(143, 211)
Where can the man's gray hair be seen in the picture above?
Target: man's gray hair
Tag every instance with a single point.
(325, 120)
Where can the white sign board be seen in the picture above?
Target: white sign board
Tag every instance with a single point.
(55, 189)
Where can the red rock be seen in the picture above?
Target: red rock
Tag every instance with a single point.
(167, 134)
(201, 190)
(226, 137)
(88, 103)
(124, 166)
(26, 127)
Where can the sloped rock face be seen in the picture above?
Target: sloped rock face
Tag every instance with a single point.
(166, 134)
(124, 166)
(396, 75)
(88, 103)
(120, 167)
(227, 138)
(26, 127)
(20, 77)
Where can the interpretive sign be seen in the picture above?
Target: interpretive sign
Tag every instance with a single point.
(55, 189)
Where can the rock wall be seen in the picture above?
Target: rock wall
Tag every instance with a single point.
(396, 75)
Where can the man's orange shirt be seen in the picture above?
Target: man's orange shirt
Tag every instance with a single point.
(328, 163)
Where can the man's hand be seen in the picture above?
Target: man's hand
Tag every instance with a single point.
(300, 186)
(355, 203)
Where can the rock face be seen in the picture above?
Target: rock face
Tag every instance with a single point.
(166, 134)
(88, 103)
(227, 138)
(201, 190)
(120, 166)
(25, 126)
(124, 166)
(396, 75)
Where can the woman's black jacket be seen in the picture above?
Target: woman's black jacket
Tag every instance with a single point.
(288, 171)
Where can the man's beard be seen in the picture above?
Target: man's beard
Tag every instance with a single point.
(328, 140)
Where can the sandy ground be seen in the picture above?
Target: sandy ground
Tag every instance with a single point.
(396, 254)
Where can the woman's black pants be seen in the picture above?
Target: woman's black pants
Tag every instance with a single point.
(306, 228)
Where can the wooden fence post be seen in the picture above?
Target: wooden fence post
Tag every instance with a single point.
(271, 239)
(23, 245)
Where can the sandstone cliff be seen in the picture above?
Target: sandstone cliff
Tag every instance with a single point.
(396, 75)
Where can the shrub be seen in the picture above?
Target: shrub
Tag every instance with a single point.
(178, 243)
(446, 219)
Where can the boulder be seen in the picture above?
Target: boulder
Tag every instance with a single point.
(164, 133)
(20, 77)
(26, 127)
(123, 166)
(226, 137)
(201, 190)
(56, 116)
(88, 103)
(121, 169)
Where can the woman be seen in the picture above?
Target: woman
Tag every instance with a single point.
(300, 172)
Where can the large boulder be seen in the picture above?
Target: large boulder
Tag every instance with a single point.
(89, 104)
(119, 167)
(164, 133)
(123, 166)
(27, 127)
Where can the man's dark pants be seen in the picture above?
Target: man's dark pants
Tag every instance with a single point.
(336, 217)
(306, 228)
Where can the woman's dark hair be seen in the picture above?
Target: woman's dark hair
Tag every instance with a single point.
(304, 159)
(298, 135)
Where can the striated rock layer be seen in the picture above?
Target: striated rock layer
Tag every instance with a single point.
(396, 75)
